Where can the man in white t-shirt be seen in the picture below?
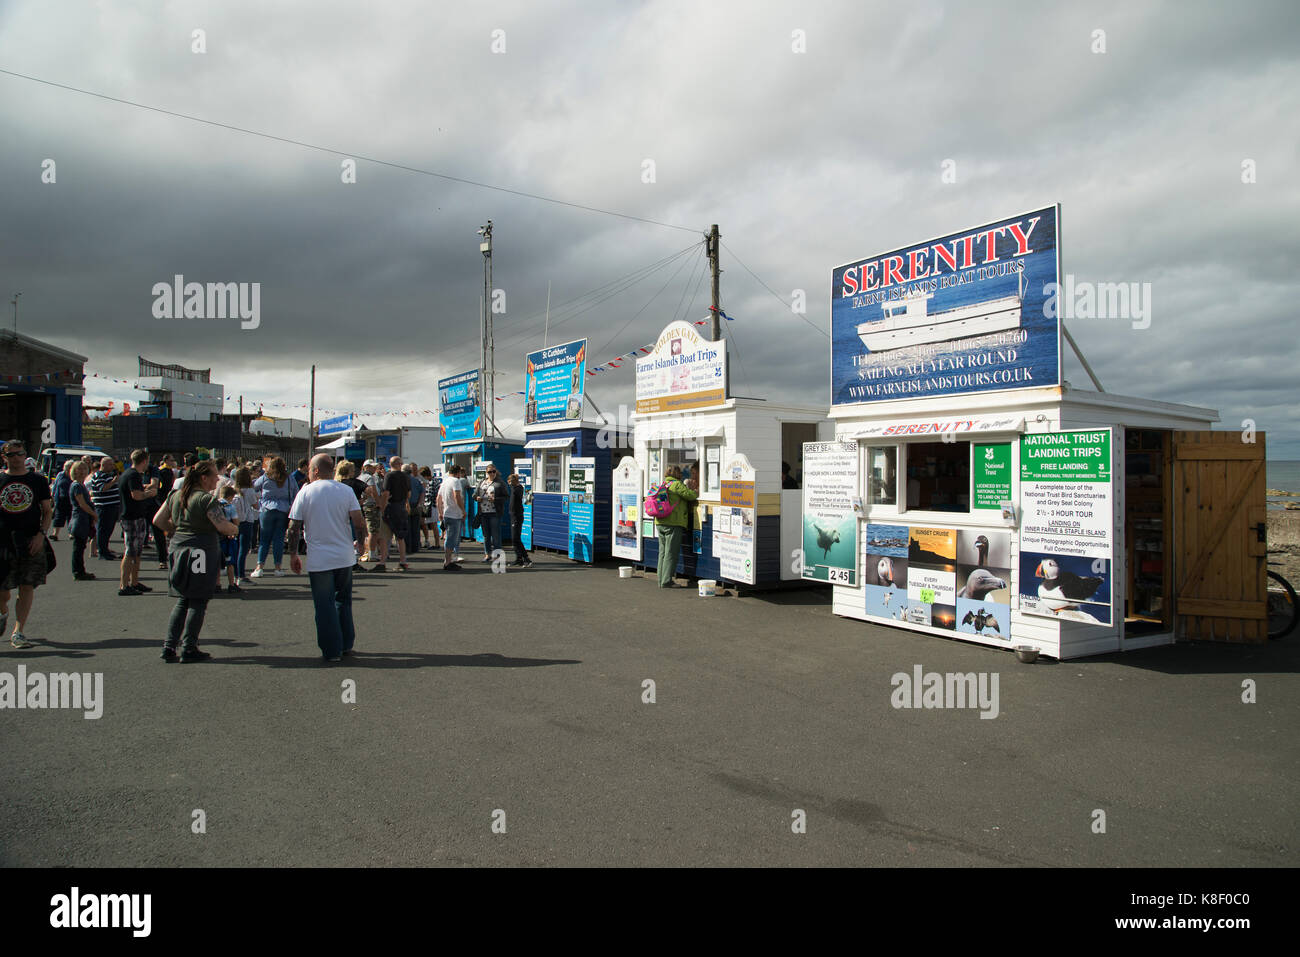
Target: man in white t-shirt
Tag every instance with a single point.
(451, 506)
(328, 515)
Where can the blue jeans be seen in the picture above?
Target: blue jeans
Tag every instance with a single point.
(491, 531)
(331, 591)
(245, 546)
(451, 536)
(274, 525)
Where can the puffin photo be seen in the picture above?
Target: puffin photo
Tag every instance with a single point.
(885, 571)
(1061, 590)
(980, 620)
(979, 583)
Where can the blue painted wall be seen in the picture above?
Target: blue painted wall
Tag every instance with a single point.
(550, 522)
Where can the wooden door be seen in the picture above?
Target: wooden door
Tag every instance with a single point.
(1220, 541)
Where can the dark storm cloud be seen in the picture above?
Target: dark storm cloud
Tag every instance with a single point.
(805, 160)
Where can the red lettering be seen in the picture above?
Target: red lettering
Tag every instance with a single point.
(1021, 236)
(916, 263)
(850, 281)
(967, 250)
(991, 243)
(869, 281)
(947, 255)
(892, 266)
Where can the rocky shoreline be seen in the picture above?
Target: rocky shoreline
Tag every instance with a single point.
(1284, 537)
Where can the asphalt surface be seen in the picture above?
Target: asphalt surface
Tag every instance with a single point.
(523, 692)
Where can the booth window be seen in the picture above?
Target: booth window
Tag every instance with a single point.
(682, 458)
(550, 466)
(938, 476)
(882, 475)
(710, 476)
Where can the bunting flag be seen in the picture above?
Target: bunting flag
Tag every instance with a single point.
(608, 365)
(35, 378)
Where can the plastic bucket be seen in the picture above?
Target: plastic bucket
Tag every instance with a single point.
(624, 571)
(708, 588)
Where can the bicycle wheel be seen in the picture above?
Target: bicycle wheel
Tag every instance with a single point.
(1283, 611)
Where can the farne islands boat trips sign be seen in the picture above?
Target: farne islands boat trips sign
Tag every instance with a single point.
(962, 313)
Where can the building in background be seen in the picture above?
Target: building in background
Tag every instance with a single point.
(284, 428)
(40, 392)
(176, 392)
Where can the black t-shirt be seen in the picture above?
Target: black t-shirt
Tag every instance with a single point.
(133, 481)
(358, 487)
(398, 487)
(20, 502)
(166, 479)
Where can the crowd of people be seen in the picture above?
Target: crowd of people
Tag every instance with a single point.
(207, 516)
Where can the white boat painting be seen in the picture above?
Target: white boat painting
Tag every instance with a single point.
(908, 322)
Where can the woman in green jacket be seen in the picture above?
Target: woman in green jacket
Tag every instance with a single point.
(672, 527)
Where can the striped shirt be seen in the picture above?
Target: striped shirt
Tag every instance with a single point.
(104, 491)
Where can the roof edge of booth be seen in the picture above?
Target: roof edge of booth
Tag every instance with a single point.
(1114, 400)
(731, 405)
(568, 425)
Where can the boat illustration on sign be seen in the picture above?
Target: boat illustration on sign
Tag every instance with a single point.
(908, 322)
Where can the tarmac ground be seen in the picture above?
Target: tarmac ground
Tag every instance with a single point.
(503, 719)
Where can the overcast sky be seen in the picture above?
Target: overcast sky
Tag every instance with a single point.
(805, 160)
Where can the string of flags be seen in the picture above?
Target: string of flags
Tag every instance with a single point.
(606, 366)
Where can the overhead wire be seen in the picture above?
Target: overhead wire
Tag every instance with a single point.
(351, 155)
(574, 307)
(774, 294)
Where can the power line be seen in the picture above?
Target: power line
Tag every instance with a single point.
(579, 304)
(610, 340)
(350, 155)
(774, 294)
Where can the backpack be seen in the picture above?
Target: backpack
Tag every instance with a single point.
(657, 504)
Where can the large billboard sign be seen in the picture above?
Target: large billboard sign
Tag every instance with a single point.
(553, 383)
(684, 371)
(460, 409)
(968, 312)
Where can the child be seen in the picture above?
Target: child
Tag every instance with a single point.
(230, 546)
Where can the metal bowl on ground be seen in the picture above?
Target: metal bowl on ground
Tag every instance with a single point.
(1028, 654)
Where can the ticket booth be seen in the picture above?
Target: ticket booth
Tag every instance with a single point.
(570, 471)
(473, 457)
(744, 526)
(971, 492)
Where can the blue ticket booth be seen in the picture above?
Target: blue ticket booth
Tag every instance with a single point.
(473, 456)
(572, 471)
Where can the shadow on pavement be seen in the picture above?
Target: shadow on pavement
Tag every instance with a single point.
(397, 659)
(1210, 658)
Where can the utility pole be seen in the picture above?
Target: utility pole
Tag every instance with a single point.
(488, 367)
(15, 303)
(311, 417)
(713, 247)
(712, 252)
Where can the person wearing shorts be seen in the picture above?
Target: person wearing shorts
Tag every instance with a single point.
(26, 510)
(396, 524)
(370, 509)
(139, 502)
